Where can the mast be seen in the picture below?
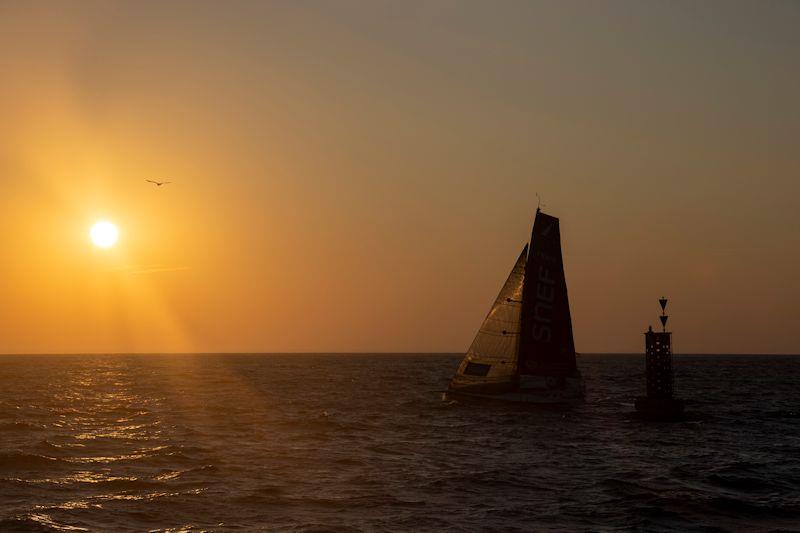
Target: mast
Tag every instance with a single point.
(546, 344)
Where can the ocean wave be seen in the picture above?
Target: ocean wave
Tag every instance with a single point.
(363, 443)
(36, 522)
(23, 461)
(21, 426)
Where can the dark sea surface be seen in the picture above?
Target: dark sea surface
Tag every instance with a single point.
(366, 442)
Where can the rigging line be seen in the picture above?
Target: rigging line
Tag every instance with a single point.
(498, 335)
(503, 333)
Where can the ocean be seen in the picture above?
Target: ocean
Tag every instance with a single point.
(366, 443)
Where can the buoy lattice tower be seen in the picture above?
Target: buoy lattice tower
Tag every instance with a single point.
(659, 403)
(658, 358)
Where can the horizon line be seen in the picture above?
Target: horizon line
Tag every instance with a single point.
(738, 354)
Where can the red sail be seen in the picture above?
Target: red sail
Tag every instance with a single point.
(546, 344)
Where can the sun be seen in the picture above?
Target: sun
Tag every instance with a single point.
(104, 234)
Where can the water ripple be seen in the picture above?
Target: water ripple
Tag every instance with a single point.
(348, 443)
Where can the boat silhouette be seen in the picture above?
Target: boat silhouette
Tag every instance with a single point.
(524, 351)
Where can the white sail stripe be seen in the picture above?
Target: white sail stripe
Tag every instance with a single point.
(499, 320)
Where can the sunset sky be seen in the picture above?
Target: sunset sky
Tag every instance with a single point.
(354, 176)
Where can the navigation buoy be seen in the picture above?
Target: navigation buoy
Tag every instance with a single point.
(659, 404)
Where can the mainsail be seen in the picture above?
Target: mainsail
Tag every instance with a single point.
(491, 361)
(546, 346)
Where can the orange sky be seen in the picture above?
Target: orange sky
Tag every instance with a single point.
(361, 176)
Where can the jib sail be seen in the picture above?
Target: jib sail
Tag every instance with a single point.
(491, 360)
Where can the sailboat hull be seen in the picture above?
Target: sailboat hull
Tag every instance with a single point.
(529, 389)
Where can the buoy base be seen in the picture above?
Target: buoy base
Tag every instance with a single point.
(665, 409)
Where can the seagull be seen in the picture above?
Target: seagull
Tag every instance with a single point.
(158, 183)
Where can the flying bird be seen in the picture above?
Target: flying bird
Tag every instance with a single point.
(158, 183)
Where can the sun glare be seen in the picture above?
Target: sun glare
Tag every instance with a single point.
(104, 234)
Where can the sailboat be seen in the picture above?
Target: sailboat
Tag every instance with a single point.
(524, 350)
